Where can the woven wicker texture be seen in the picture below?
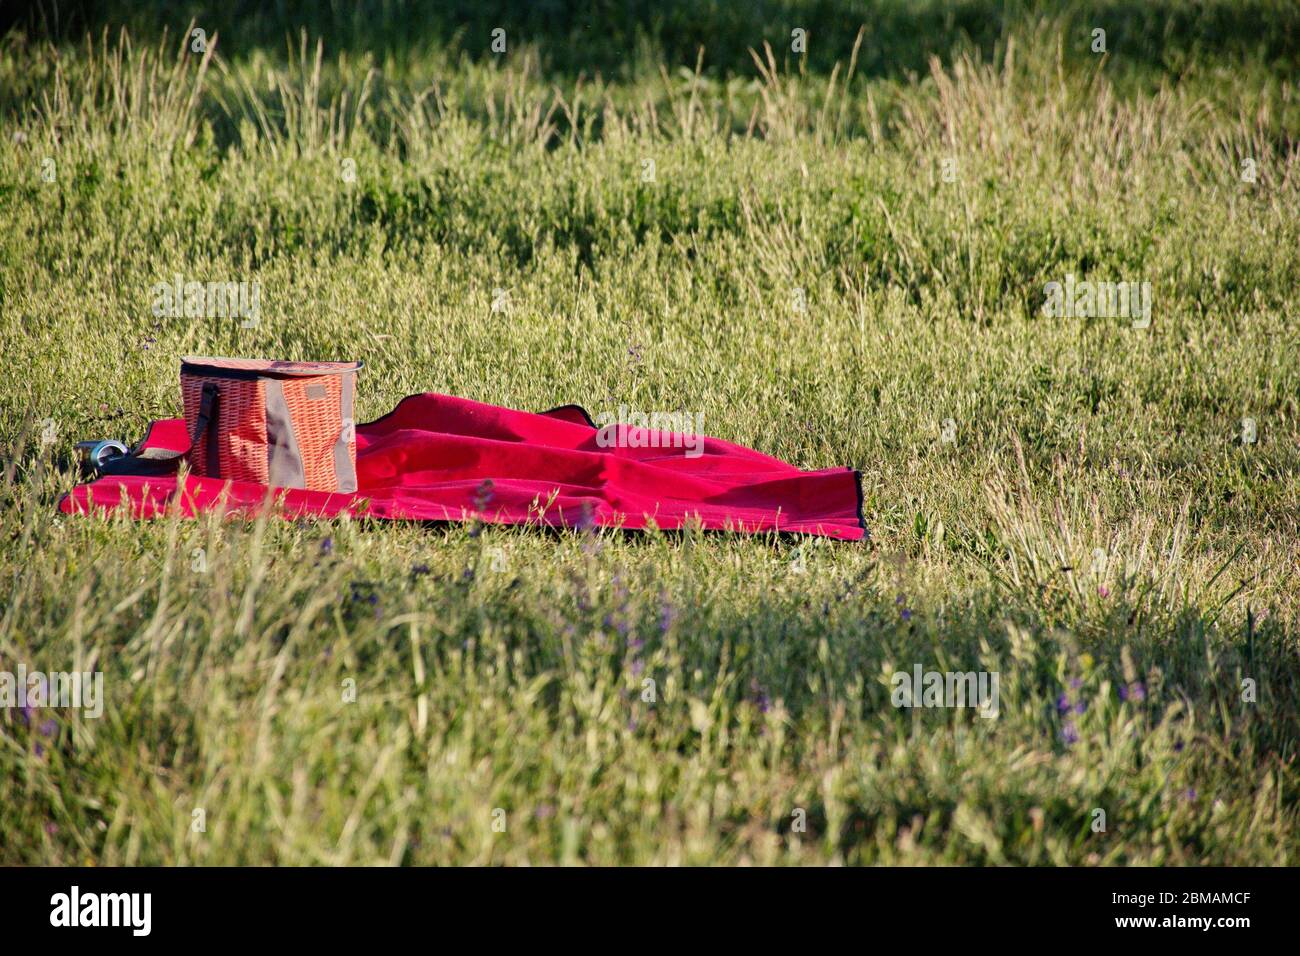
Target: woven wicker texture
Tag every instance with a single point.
(240, 427)
(317, 423)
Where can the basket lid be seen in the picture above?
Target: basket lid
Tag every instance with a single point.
(238, 367)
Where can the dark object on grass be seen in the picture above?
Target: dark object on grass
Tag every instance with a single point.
(95, 454)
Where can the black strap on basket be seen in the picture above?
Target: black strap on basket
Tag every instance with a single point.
(160, 461)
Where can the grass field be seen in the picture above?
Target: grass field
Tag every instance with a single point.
(838, 257)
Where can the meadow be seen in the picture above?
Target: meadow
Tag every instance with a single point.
(837, 256)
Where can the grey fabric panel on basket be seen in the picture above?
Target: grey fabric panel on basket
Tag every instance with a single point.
(345, 467)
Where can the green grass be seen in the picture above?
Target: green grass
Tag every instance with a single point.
(505, 668)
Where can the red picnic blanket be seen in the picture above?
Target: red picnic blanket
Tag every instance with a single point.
(441, 458)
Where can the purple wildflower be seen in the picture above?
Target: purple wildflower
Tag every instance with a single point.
(1134, 691)
(327, 546)
(48, 727)
(1063, 704)
(1070, 734)
(483, 495)
(363, 592)
(666, 614)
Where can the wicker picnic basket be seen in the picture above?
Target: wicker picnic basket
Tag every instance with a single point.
(285, 424)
